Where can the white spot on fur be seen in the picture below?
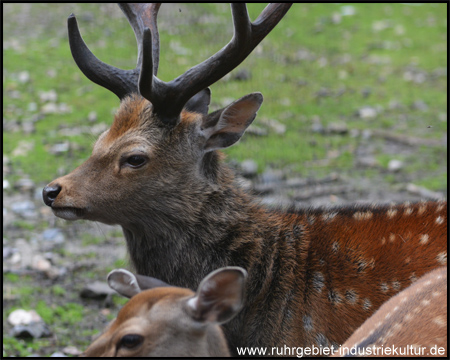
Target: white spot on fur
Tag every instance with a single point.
(440, 321)
(408, 211)
(413, 277)
(424, 239)
(335, 247)
(391, 237)
(421, 209)
(362, 215)
(383, 241)
(367, 304)
(329, 216)
(396, 285)
(442, 258)
(391, 213)
(384, 287)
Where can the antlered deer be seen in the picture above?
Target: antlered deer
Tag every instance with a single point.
(314, 275)
(413, 322)
(161, 320)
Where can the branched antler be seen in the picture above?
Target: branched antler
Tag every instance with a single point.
(169, 98)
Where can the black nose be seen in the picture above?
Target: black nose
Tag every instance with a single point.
(50, 193)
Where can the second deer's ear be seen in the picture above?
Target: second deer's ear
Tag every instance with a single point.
(226, 126)
(128, 284)
(219, 296)
(124, 282)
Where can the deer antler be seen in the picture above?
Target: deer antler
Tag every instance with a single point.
(120, 82)
(169, 98)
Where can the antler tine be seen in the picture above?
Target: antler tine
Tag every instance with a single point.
(120, 82)
(141, 16)
(168, 99)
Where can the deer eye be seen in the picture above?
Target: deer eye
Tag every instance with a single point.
(136, 161)
(131, 341)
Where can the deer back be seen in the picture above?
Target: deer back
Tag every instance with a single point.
(414, 322)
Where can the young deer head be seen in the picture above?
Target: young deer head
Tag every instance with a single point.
(315, 275)
(161, 320)
(414, 322)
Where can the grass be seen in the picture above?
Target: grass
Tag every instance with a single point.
(365, 59)
(371, 49)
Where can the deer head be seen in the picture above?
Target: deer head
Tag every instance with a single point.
(161, 320)
(160, 149)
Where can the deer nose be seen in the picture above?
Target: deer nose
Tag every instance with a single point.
(50, 193)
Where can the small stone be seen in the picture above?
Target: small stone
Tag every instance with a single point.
(242, 75)
(423, 192)
(23, 317)
(71, 350)
(25, 208)
(348, 10)
(249, 168)
(5, 184)
(96, 290)
(256, 130)
(419, 105)
(24, 184)
(274, 125)
(50, 95)
(337, 128)
(395, 165)
(32, 106)
(92, 116)
(24, 77)
(28, 127)
(59, 149)
(367, 112)
(53, 235)
(40, 263)
(49, 108)
(58, 354)
(15, 258)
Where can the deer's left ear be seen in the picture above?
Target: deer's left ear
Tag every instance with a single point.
(199, 103)
(224, 127)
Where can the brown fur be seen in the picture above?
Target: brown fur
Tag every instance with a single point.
(315, 275)
(413, 322)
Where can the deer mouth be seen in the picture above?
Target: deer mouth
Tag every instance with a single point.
(69, 213)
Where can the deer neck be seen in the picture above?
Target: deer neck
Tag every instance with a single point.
(180, 247)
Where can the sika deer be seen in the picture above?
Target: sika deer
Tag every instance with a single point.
(315, 275)
(161, 320)
(412, 323)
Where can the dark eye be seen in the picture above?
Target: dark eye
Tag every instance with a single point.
(136, 161)
(130, 341)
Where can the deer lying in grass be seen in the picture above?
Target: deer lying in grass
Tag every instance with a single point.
(161, 320)
(412, 323)
(314, 275)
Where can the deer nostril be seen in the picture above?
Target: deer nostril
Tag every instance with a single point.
(50, 193)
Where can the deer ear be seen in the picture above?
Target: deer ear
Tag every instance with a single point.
(199, 103)
(224, 127)
(124, 282)
(127, 284)
(219, 296)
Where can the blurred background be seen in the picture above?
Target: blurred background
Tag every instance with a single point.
(355, 110)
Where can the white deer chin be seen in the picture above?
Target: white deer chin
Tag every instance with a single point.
(68, 213)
